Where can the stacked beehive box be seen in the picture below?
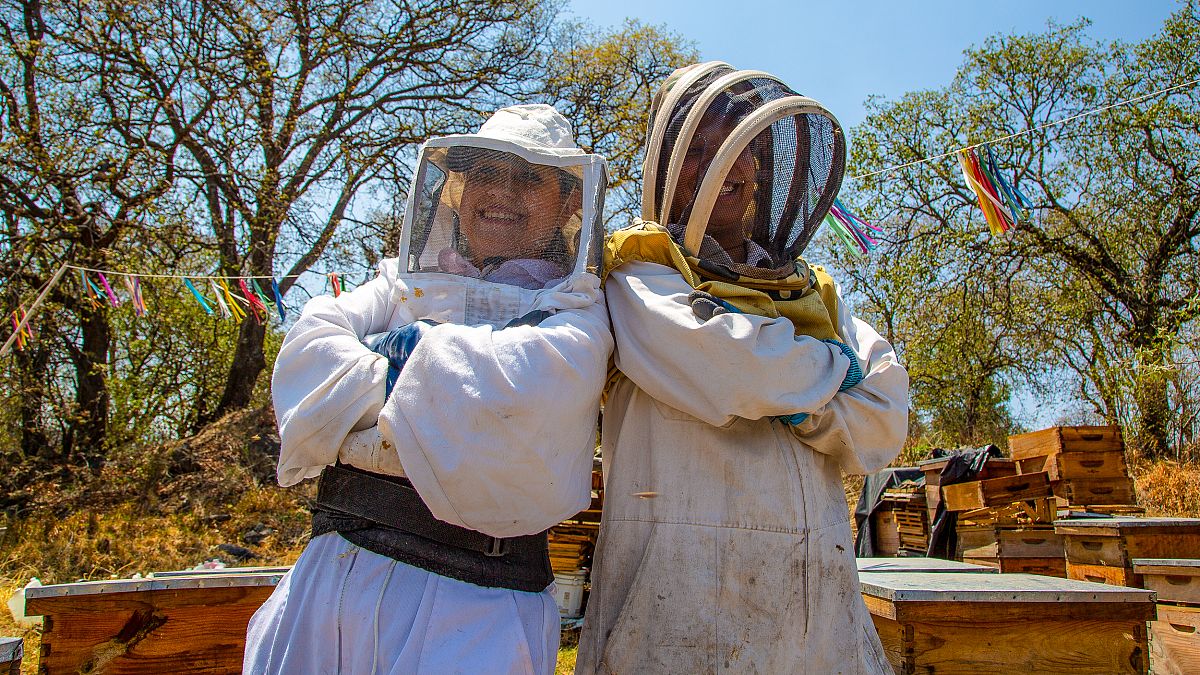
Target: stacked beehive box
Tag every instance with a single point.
(1103, 549)
(1086, 466)
(995, 467)
(1008, 523)
(1175, 634)
(572, 541)
(906, 504)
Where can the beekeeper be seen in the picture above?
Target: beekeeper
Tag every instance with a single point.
(447, 448)
(746, 389)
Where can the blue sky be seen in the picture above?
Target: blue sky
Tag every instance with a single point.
(841, 53)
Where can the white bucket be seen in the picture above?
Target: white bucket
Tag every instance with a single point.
(568, 592)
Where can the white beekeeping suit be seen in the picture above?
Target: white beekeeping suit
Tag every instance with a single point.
(442, 467)
(747, 389)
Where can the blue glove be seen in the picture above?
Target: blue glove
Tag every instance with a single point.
(531, 319)
(706, 305)
(398, 345)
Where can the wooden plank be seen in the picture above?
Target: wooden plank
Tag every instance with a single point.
(995, 491)
(1071, 647)
(191, 630)
(1103, 574)
(1175, 640)
(918, 564)
(1050, 567)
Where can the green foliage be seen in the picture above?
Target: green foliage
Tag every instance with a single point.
(1092, 299)
(604, 84)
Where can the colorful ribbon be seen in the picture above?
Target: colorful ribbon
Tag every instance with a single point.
(851, 229)
(134, 286)
(1004, 207)
(196, 294)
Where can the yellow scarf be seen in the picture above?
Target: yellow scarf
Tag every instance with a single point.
(811, 304)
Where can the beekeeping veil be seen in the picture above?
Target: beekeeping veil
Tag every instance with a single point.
(503, 221)
(738, 156)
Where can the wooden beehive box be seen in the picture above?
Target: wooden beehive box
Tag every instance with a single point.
(1010, 623)
(932, 468)
(1058, 440)
(1103, 549)
(993, 492)
(177, 624)
(1086, 465)
(907, 506)
(885, 533)
(1176, 580)
(1031, 550)
(12, 650)
(571, 546)
(1175, 640)
(919, 564)
(1029, 513)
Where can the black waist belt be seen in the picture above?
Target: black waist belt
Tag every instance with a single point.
(385, 515)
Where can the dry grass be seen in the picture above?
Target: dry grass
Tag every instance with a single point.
(1167, 488)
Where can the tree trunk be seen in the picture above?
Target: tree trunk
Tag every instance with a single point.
(88, 428)
(32, 366)
(248, 363)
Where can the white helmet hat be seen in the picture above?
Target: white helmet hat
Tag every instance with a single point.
(517, 203)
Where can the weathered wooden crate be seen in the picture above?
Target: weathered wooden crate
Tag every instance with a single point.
(1176, 580)
(1028, 513)
(1175, 641)
(1085, 465)
(1024, 542)
(12, 650)
(885, 535)
(1098, 491)
(919, 564)
(175, 624)
(1050, 567)
(1013, 623)
(980, 494)
(571, 546)
(1057, 440)
(1103, 549)
(995, 467)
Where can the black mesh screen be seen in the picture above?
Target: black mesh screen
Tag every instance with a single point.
(779, 188)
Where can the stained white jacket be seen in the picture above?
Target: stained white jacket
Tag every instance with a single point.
(495, 428)
(725, 544)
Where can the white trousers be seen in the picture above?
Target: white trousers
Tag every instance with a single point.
(343, 609)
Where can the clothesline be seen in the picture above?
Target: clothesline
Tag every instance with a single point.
(196, 276)
(1130, 101)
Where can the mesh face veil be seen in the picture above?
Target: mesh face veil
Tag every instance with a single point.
(740, 168)
(504, 214)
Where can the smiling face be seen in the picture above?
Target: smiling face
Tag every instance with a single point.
(728, 221)
(510, 208)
